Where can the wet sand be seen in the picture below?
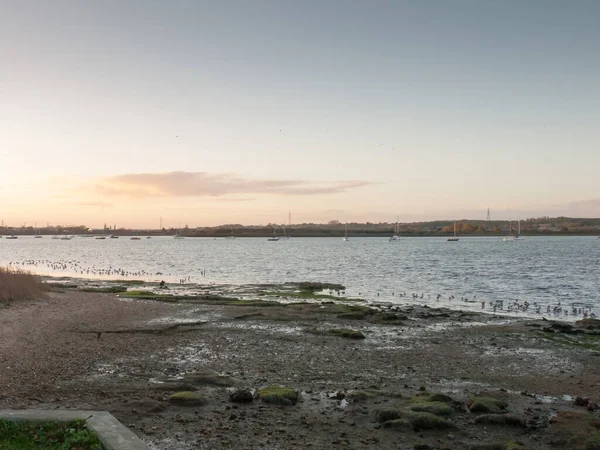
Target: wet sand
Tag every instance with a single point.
(80, 350)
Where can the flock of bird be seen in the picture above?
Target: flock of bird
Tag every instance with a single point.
(514, 306)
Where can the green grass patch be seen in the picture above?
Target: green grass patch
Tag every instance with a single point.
(72, 435)
(278, 395)
(587, 341)
(593, 443)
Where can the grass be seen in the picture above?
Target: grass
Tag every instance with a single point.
(16, 285)
(47, 436)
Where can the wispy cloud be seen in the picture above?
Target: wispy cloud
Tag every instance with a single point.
(95, 204)
(195, 184)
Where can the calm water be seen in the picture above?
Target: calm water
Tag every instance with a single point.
(542, 270)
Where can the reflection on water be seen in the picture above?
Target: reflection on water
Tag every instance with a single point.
(532, 274)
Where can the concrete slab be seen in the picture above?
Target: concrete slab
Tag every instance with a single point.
(112, 433)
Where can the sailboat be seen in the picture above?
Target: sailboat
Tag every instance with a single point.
(177, 235)
(12, 236)
(274, 238)
(395, 237)
(136, 237)
(511, 236)
(285, 235)
(346, 238)
(232, 236)
(454, 238)
(37, 233)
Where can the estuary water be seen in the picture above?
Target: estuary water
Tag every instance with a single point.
(532, 276)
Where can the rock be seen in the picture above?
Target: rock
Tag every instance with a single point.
(241, 396)
(581, 401)
(187, 398)
(278, 395)
(339, 395)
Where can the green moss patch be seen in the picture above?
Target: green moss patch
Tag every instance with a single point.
(437, 408)
(187, 398)
(427, 421)
(48, 436)
(398, 424)
(486, 405)
(278, 395)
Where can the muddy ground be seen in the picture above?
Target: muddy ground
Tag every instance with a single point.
(105, 351)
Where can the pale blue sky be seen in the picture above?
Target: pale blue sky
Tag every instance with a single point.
(438, 108)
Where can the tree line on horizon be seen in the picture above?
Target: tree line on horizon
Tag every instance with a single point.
(531, 226)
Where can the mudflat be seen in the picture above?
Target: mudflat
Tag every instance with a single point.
(205, 373)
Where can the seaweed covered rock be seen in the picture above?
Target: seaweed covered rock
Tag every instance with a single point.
(499, 419)
(358, 396)
(427, 421)
(486, 405)
(277, 395)
(187, 398)
(512, 445)
(437, 408)
(346, 333)
(382, 415)
(398, 424)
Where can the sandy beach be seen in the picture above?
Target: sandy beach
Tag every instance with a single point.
(99, 351)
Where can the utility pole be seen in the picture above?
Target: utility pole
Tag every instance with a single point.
(290, 218)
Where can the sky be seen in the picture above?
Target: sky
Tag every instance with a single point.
(213, 112)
